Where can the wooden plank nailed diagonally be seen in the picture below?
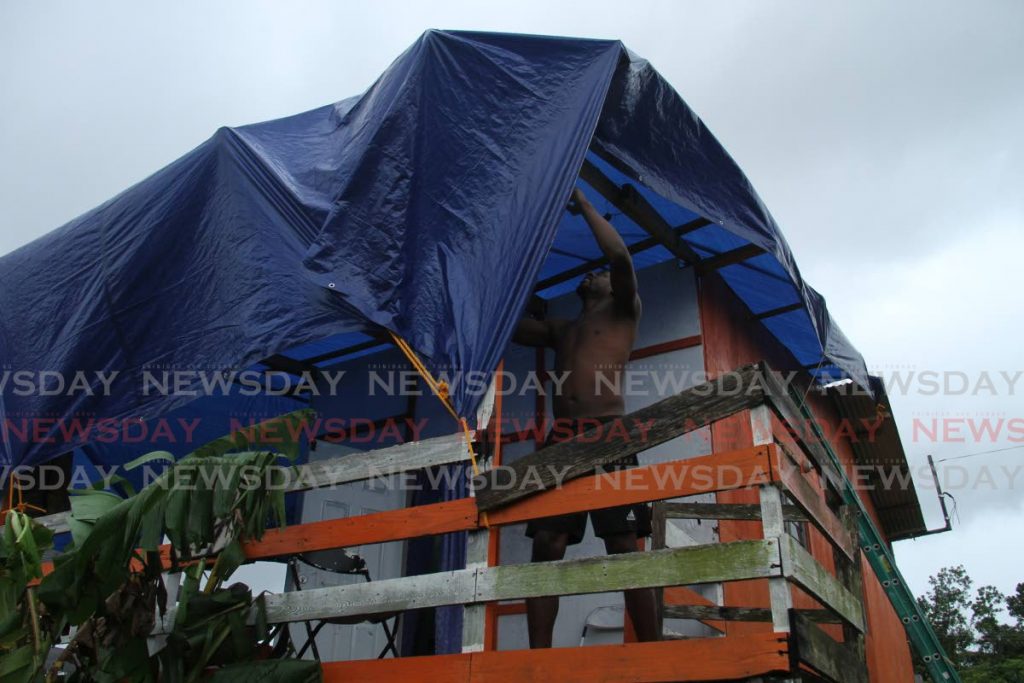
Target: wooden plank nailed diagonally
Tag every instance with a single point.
(741, 511)
(708, 473)
(671, 417)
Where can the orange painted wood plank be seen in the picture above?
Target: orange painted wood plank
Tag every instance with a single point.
(377, 527)
(717, 472)
(681, 595)
(666, 347)
(494, 538)
(449, 668)
(744, 467)
(698, 659)
(503, 609)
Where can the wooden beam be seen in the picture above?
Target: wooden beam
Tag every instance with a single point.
(377, 527)
(780, 597)
(741, 511)
(792, 480)
(671, 417)
(381, 462)
(630, 202)
(728, 258)
(816, 649)
(733, 469)
(734, 561)
(800, 566)
(673, 479)
(770, 313)
(759, 614)
(783, 405)
(405, 457)
(698, 659)
(602, 261)
(739, 560)
(740, 468)
(773, 525)
(849, 574)
(666, 347)
(635, 248)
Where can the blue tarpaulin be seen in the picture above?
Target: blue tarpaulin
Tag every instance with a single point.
(429, 206)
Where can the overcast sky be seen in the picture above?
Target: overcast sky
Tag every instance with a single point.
(886, 138)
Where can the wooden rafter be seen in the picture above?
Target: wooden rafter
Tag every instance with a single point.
(635, 248)
(630, 202)
(772, 312)
(728, 258)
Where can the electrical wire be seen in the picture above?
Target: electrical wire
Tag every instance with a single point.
(971, 455)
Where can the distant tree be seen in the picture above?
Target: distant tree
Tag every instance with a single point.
(1015, 605)
(974, 631)
(946, 605)
(1012, 644)
(985, 610)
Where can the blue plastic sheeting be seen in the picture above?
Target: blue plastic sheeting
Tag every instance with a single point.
(429, 206)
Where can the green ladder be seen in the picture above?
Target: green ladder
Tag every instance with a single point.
(919, 631)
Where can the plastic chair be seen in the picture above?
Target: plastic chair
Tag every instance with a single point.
(607, 618)
(337, 561)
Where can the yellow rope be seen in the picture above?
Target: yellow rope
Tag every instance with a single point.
(440, 389)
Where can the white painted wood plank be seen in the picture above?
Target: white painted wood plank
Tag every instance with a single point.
(701, 564)
(406, 457)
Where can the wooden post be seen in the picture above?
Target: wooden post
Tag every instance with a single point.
(474, 615)
(773, 521)
(658, 522)
(849, 573)
(481, 548)
(494, 537)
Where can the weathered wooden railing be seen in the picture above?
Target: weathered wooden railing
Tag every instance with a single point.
(779, 473)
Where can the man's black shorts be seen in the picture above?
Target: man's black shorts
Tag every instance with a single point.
(613, 521)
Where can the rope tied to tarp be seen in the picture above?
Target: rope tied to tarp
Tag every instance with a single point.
(441, 389)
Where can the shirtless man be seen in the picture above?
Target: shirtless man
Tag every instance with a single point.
(597, 343)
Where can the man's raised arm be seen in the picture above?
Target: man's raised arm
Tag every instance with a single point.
(624, 287)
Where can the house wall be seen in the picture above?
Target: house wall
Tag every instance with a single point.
(675, 307)
(732, 339)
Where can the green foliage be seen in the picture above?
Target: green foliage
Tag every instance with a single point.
(24, 645)
(108, 583)
(973, 629)
(945, 606)
(995, 671)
